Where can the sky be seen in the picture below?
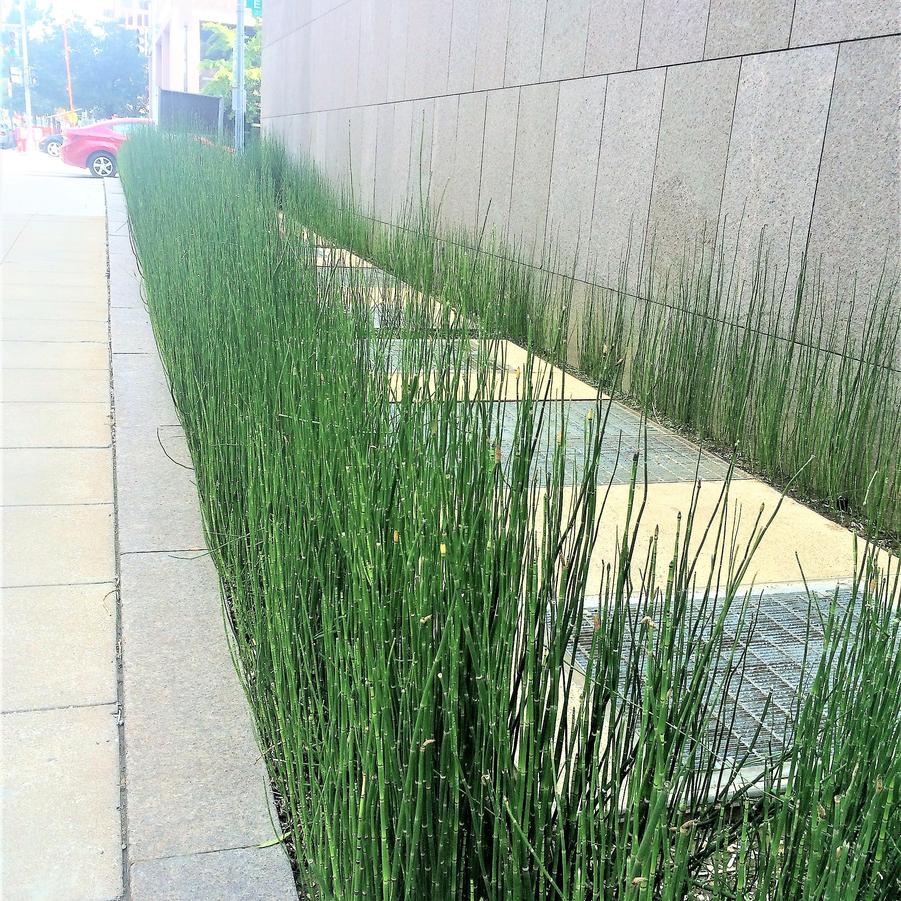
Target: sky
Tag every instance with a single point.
(85, 9)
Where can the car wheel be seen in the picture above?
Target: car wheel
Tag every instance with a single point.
(102, 165)
(53, 148)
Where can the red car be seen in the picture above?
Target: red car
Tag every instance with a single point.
(94, 147)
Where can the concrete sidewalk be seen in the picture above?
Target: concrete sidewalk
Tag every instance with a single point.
(62, 826)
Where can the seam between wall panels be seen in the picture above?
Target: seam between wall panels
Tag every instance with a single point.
(450, 45)
(359, 60)
(515, 145)
(479, 223)
(597, 173)
(506, 49)
(640, 30)
(739, 56)
(550, 180)
(543, 36)
(719, 209)
(791, 26)
(587, 34)
(303, 25)
(706, 30)
(816, 183)
(647, 221)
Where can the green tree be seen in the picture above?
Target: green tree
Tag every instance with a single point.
(109, 72)
(217, 68)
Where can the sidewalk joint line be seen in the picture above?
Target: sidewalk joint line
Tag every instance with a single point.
(53, 707)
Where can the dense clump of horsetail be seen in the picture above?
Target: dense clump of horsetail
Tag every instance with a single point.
(403, 587)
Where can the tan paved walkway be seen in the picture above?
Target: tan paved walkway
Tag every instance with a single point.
(60, 736)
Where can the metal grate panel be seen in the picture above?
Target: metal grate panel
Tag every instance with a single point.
(773, 668)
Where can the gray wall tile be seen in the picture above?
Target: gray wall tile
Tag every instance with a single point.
(565, 32)
(614, 28)
(373, 78)
(438, 52)
(580, 115)
(419, 19)
(672, 31)
(525, 35)
(463, 42)
(400, 162)
(491, 44)
(396, 50)
(421, 134)
(355, 148)
(691, 154)
(819, 21)
(774, 153)
(615, 170)
(366, 144)
(747, 26)
(276, 25)
(348, 56)
(625, 168)
(856, 211)
(444, 134)
(384, 161)
(497, 160)
(532, 164)
(461, 202)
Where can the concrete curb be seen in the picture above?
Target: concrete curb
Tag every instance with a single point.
(197, 795)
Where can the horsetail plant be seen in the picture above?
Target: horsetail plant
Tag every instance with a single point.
(406, 572)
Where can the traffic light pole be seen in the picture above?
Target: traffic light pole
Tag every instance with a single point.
(239, 97)
(26, 74)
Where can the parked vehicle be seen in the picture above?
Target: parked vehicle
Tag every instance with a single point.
(95, 147)
(51, 144)
(7, 137)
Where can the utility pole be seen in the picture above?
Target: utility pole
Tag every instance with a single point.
(26, 76)
(238, 96)
(68, 68)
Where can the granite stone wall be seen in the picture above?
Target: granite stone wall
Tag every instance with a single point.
(587, 122)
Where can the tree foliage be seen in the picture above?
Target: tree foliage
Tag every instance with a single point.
(217, 68)
(109, 71)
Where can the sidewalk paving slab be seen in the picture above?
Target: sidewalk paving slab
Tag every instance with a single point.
(58, 545)
(55, 424)
(50, 475)
(149, 481)
(237, 874)
(142, 393)
(74, 386)
(131, 330)
(55, 355)
(67, 634)
(61, 819)
(74, 330)
(87, 310)
(196, 781)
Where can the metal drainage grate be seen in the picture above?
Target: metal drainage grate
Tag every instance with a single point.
(773, 668)
(669, 457)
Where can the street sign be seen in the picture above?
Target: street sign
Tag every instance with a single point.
(255, 7)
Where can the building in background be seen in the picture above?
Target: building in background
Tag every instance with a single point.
(590, 125)
(133, 15)
(177, 33)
